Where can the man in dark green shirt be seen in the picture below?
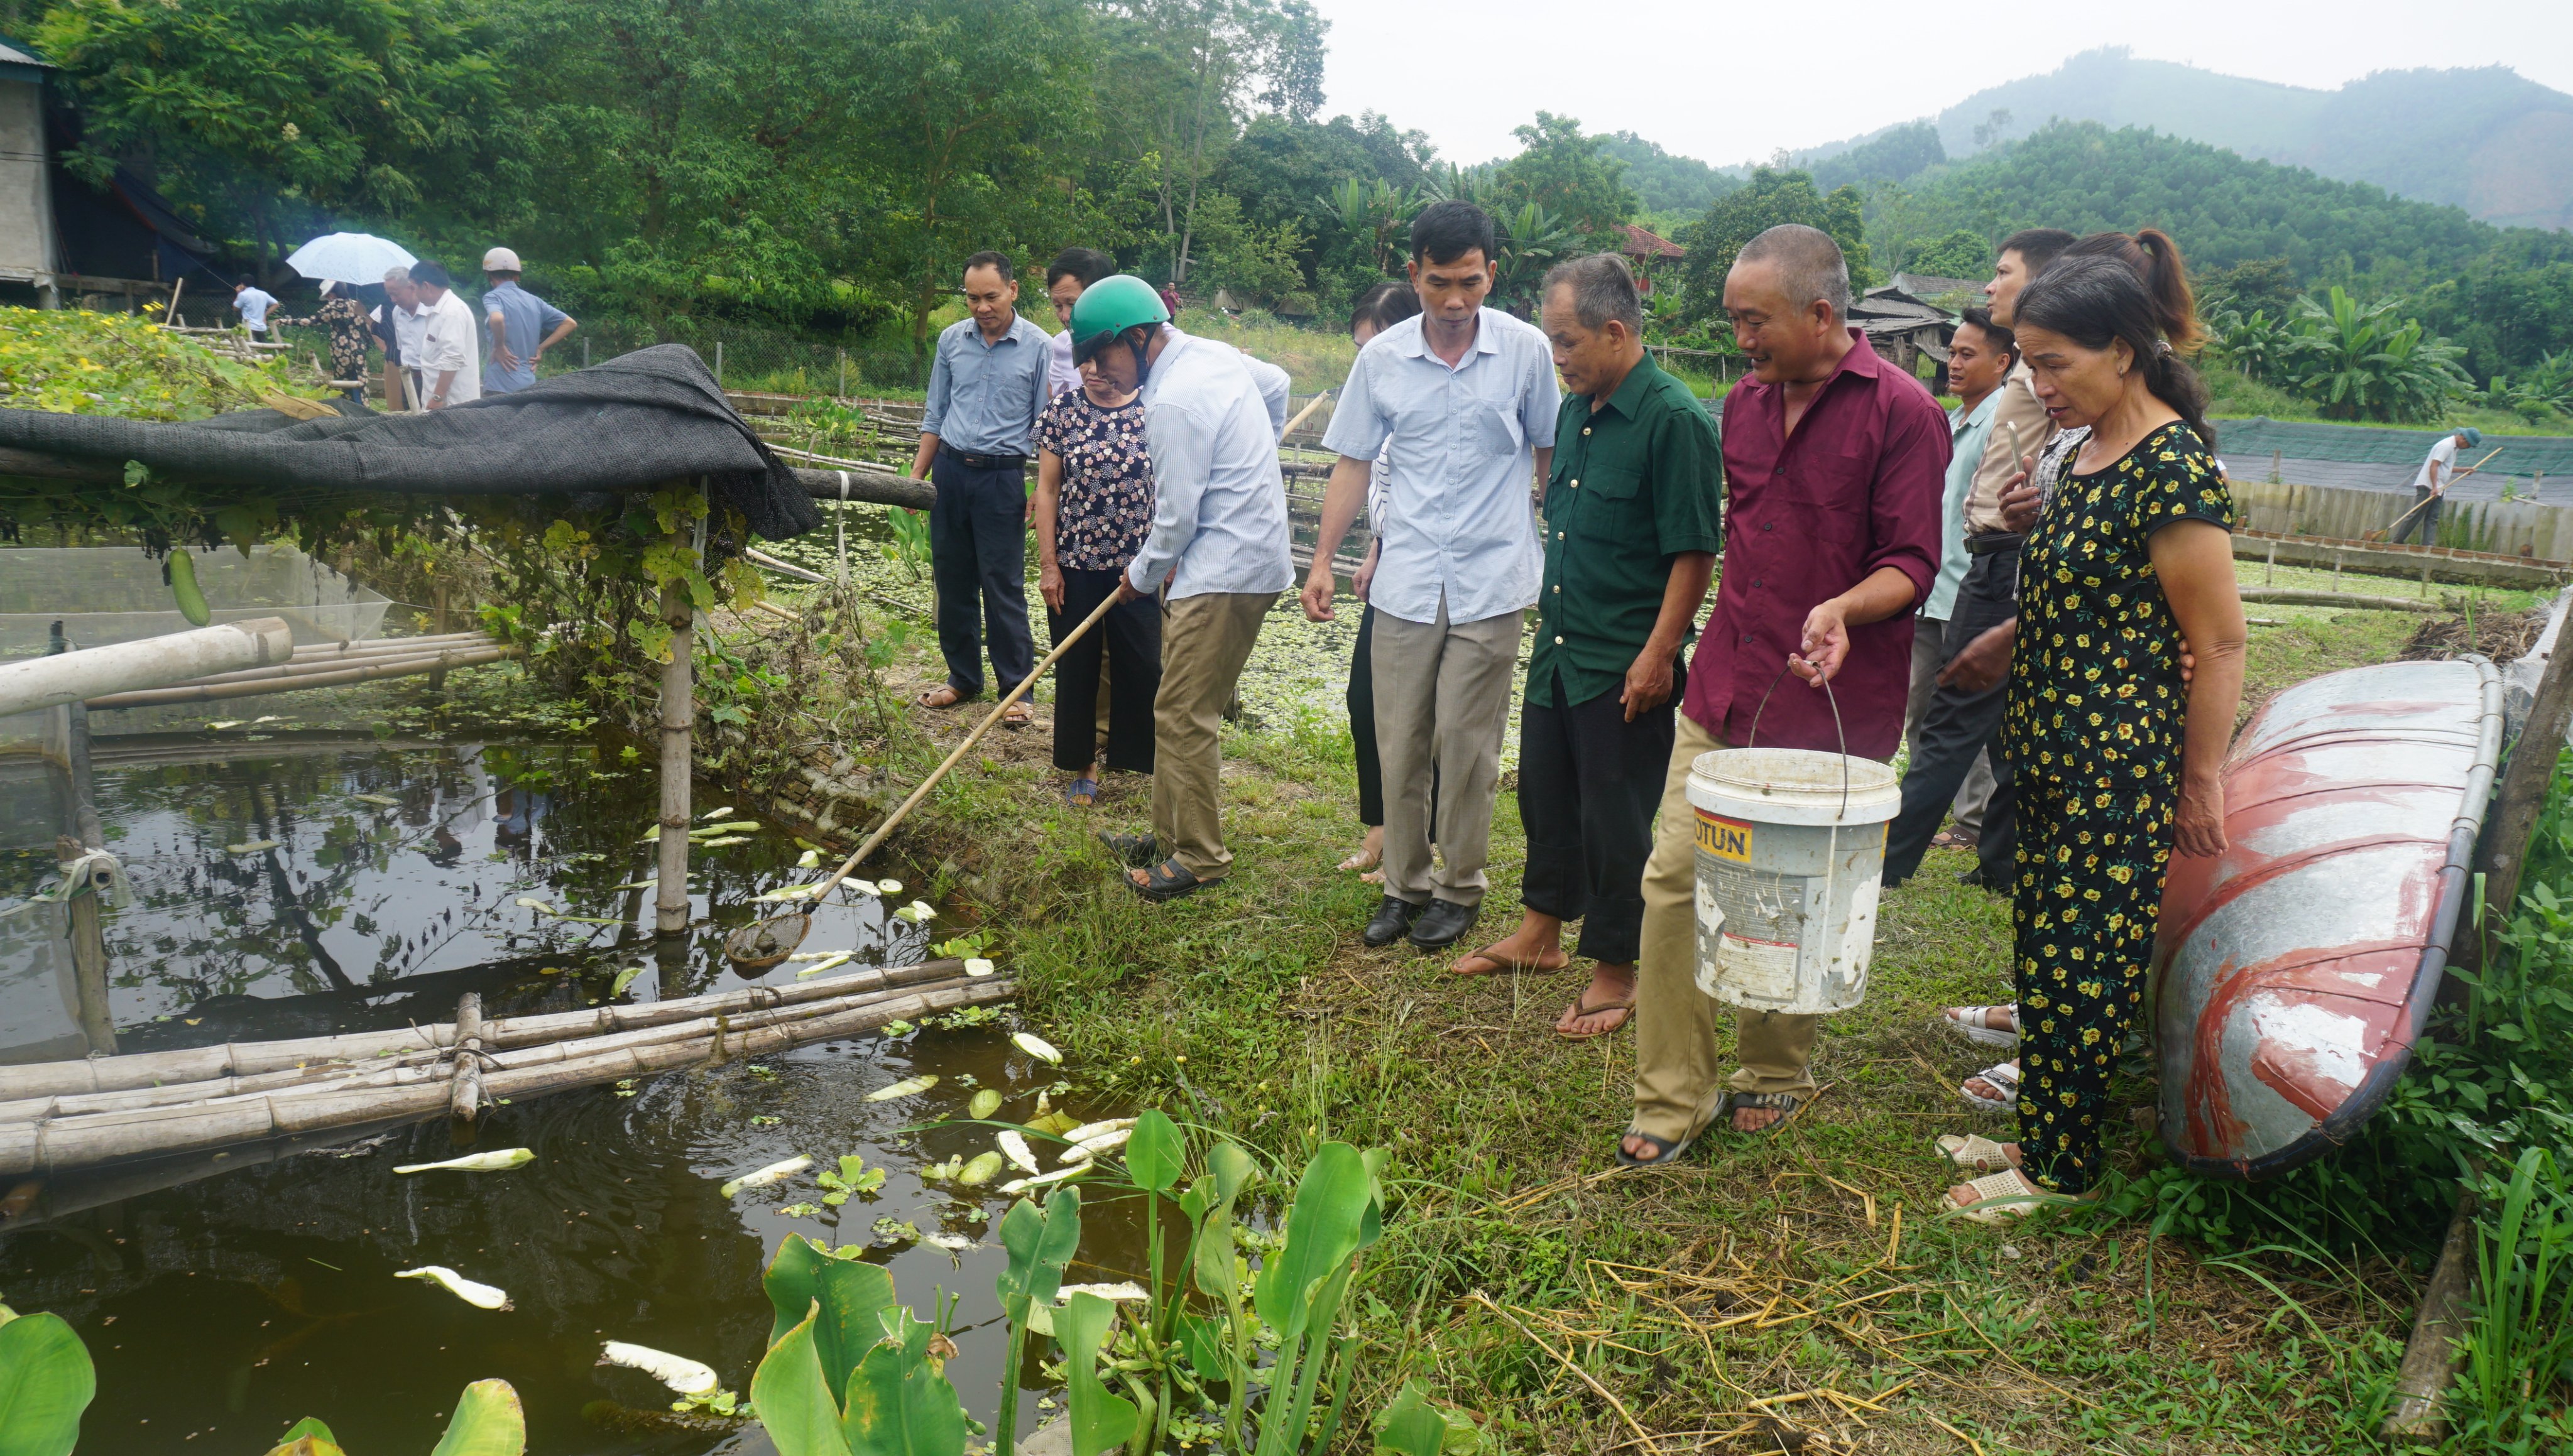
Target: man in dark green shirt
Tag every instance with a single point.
(1631, 532)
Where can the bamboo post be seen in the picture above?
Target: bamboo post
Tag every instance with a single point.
(678, 714)
(2503, 854)
(2270, 575)
(718, 362)
(2430, 1360)
(89, 953)
(465, 1101)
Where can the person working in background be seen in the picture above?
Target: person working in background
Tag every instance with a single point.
(1633, 513)
(523, 326)
(1381, 307)
(449, 353)
(1833, 464)
(987, 385)
(2431, 486)
(1212, 418)
(1981, 358)
(253, 303)
(1467, 397)
(1073, 270)
(400, 325)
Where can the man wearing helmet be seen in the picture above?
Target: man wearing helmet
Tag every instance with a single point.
(1217, 550)
(522, 327)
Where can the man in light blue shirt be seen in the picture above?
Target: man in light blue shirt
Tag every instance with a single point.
(987, 385)
(1217, 549)
(254, 303)
(522, 327)
(1468, 398)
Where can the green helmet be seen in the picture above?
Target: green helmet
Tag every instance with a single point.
(1109, 307)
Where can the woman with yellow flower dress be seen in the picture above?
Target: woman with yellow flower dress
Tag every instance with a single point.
(2116, 754)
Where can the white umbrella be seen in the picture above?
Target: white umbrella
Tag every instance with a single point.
(350, 257)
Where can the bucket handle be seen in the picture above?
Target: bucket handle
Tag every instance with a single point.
(1829, 697)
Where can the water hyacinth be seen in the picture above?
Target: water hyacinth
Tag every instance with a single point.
(775, 1172)
(1036, 1047)
(500, 1161)
(687, 1376)
(480, 1297)
(907, 1087)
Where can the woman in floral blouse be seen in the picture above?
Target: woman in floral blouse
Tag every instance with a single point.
(1093, 508)
(350, 334)
(2115, 754)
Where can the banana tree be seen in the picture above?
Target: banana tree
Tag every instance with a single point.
(2363, 361)
(1527, 241)
(1373, 215)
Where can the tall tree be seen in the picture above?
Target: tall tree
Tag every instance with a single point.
(1562, 172)
(1771, 198)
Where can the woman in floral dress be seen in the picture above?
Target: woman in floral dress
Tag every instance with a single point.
(1094, 507)
(349, 332)
(2116, 755)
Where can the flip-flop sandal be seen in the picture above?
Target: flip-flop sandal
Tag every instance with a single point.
(1975, 1153)
(1134, 851)
(1785, 1105)
(1503, 963)
(1167, 880)
(1973, 1024)
(1015, 716)
(1951, 839)
(954, 697)
(1664, 1149)
(1581, 1007)
(1081, 794)
(2002, 1074)
(1361, 862)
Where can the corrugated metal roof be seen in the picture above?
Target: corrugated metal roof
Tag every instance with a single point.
(13, 54)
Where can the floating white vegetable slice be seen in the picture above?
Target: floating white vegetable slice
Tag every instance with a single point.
(713, 813)
(680, 1373)
(977, 966)
(825, 964)
(818, 955)
(724, 842)
(889, 887)
(480, 1297)
(500, 1161)
(985, 1103)
(1036, 1047)
(775, 1172)
(1104, 1143)
(1127, 1290)
(1016, 1185)
(810, 859)
(1088, 1131)
(910, 1087)
(253, 847)
(788, 892)
(1015, 1149)
(952, 1243)
(530, 902)
(917, 912)
(381, 800)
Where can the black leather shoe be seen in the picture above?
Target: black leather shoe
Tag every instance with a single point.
(1393, 918)
(1438, 926)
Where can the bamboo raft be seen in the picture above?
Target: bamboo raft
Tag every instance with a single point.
(57, 1116)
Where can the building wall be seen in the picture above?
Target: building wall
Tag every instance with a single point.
(26, 206)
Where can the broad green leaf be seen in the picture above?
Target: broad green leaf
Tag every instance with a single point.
(793, 1403)
(308, 1426)
(1039, 1245)
(899, 1403)
(1322, 1231)
(1201, 1341)
(305, 1446)
(853, 1297)
(46, 1381)
(1410, 1424)
(1157, 1152)
(1229, 1170)
(1099, 1420)
(487, 1422)
(793, 1282)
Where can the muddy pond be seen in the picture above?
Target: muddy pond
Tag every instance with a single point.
(295, 884)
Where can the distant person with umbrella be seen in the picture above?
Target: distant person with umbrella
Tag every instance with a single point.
(523, 326)
(343, 262)
(350, 329)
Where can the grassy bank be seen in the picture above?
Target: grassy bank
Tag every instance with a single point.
(1763, 1291)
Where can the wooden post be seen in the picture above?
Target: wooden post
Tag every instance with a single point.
(2430, 1360)
(678, 714)
(89, 951)
(2503, 852)
(464, 1092)
(719, 362)
(2269, 575)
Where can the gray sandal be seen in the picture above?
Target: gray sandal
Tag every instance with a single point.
(1785, 1105)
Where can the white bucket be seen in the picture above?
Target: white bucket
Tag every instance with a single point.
(1790, 852)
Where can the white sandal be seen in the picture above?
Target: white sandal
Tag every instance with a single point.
(2000, 1197)
(1973, 1024)
(2002, 1074)
(1974, 1152)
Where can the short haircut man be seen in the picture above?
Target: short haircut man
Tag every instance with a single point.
(1831, 538)
(987, 384)
(1467, 397)
(399, 325)
(1071, 273)
(451, 346)
(253, 303)
(1088, 264)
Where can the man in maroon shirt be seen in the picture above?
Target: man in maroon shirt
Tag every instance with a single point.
(1833, 464)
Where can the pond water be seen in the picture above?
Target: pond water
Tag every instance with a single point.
(223, 1298)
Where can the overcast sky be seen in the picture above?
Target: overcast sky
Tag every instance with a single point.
(1733, 82)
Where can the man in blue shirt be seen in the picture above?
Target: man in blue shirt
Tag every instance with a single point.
(522, 327)
(986, 388)
(254, 303)
(1467, 396)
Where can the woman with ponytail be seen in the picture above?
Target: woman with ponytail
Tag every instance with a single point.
(2116, 755)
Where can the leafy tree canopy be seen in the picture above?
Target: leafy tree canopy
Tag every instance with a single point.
(1663, 182)
(1770, 198)
(1897, 154)
(1962, 254)
(1563, 172)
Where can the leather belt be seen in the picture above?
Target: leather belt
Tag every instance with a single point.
(1992, 544)
(985, 462)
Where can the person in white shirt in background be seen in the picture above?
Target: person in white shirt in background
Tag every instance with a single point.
(400, 325)
(2431, 486)
(1380, 308)
(253, 303)
(451, 348)
(1073, 270)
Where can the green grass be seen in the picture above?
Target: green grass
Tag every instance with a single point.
(1253, 1007)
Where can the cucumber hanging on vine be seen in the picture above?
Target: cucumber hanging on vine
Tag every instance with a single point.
(182, 572)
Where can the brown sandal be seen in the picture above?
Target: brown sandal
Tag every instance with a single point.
(1582, 1007)
(1500, 963)
(931, 699)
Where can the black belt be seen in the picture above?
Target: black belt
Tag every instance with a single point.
(1992, 544)
(985, 462)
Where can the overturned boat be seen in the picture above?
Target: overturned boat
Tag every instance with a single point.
(2296, 969)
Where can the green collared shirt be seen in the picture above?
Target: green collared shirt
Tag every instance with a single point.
(1635, 485)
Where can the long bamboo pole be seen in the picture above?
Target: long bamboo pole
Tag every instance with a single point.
(224, 692)
(315, 666)
(678, 714)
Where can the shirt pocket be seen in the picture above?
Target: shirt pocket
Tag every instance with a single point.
(1496, 429)
(1826, 496)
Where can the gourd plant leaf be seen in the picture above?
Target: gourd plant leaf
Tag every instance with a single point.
(1099, 1420)
(487, 1422)
(46, 1381)
(1323, 1227)
(1039, 1245)
(1411, 1425)
(899, 1402)
(1156, 1151)
(852, 1298)
(793, 1403)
